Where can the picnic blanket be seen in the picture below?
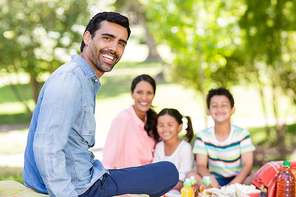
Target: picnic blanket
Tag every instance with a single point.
(16, 189)
(266, 176)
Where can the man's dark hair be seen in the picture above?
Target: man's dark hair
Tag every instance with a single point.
(220, 91)
(113, 17)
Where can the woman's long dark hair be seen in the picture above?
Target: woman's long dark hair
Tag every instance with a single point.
(151, 114)
(176, 114)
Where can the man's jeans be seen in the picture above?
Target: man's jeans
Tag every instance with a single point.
(153, 179)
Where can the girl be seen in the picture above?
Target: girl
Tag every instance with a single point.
(172, 148)
(130, 141)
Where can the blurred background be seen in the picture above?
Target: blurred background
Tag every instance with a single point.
(188, 46)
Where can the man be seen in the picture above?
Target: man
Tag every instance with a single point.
(57, 159)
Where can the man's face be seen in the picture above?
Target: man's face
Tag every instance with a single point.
(106, 48)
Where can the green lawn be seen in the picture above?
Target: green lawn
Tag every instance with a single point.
(11, 173)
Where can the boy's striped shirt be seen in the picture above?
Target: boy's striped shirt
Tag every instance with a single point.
(224, 158)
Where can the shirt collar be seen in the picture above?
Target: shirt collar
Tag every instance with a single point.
(138, 121)
(84, 65)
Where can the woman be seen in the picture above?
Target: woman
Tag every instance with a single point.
(130, 141)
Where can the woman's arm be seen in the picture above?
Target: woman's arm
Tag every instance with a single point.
(114, 143)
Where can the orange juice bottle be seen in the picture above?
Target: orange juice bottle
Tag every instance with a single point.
(286, 181)
(206, 183)
(187, 190)
(194, 186)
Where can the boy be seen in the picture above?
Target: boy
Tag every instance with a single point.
(224, 152)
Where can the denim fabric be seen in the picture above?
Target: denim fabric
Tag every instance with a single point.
(224, 181)
(62, 129)
(153, 179)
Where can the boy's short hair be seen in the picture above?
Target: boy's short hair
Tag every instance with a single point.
(220, 91)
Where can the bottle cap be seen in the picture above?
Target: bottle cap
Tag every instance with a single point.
(286, 163)
(207, 178)
(193, 180)
(187, 182)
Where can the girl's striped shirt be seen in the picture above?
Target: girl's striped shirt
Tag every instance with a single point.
(224, 158)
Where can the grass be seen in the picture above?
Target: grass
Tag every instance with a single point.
(114, 96)
(11, 173)
(13, 142)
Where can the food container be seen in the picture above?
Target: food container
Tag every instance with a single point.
(254, 194)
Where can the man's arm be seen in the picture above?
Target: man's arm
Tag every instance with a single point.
(247, 165)
(59, 108)
(202, 170)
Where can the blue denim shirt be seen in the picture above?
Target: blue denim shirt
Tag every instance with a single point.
(62, 129)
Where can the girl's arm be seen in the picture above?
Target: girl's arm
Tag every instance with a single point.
(186, 161)
(157, 152)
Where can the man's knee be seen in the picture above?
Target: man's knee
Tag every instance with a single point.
(171, 170)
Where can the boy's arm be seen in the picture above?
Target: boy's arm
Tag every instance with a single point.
(247, 162)
(202, 170)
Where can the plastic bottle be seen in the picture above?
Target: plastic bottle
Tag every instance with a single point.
(206, 183)
(187, 190)
(286, 181)
(194, 186)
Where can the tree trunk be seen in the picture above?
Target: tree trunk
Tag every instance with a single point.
(263, 103)
(201, 75)
(153, 54)
(139, 9)
(280, 129)
(34, 87)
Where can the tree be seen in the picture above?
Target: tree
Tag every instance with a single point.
(137, 9)
(269, 54)
(202, 35)
(38, 36)
(221, 43)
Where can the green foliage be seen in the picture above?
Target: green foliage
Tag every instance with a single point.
(202, 35)
(222, 43)
(37, 36)
(269, 33)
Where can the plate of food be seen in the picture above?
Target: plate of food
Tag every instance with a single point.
(233, 190)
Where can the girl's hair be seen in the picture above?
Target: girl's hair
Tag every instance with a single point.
(151, 114)
(176, 114)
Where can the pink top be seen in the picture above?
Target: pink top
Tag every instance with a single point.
(127, 143)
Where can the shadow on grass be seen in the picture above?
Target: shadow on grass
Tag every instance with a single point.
(116, 85)
(7, 94)
(14, 119)
(267, 150)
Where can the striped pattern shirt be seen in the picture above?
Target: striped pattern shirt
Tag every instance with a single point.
(224, 158)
